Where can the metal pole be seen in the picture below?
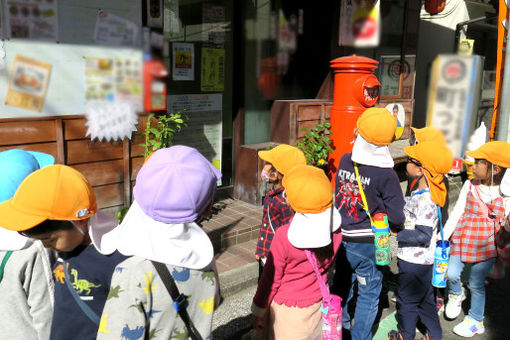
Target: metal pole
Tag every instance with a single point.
(504, 104)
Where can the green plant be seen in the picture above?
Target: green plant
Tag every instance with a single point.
(161, 134)
(120, 215)
(315, 144)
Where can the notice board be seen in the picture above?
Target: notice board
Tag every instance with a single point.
(65, 94)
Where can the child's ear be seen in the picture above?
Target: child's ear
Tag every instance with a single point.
(496, 169)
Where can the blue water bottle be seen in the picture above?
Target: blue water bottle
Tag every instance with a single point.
(441, 257)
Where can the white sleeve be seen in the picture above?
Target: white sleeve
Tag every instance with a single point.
(457, 212)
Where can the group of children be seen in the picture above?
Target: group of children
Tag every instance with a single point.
(69, 271)
(287, 301)
(110, 281)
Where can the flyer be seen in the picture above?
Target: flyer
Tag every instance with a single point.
(183, 56)
(213, 69)
(110, 80)
(28, 83)
(114, 30)
(213, 25)
(359, 23)
(31, 19)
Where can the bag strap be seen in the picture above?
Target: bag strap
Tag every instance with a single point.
(478, 198)
(324, 286)
(4, 262)
(83, 306)
(362, 192)
(180, 301)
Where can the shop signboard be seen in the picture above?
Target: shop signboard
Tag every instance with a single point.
(453, 100)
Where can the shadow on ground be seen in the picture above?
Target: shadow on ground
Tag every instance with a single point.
(233, 330)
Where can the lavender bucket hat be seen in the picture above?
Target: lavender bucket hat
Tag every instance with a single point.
(173, 188)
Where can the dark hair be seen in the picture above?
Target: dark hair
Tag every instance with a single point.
(48, 226)
(395, 107)
(496, 180)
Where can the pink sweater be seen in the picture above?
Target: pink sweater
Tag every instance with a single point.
(288, 278)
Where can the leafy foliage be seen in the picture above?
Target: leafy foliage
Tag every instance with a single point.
(159, 133)
(315, 144)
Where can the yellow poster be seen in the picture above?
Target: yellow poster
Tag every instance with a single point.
(213, 69)
(28, 83)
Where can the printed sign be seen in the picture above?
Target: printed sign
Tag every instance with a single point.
(28, 83)
(183, 61)
(114, 30)
(213, 69)
(31, 19)
(359, 23)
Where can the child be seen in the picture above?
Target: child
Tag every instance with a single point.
(174, 188)
(478, 215)
(288, 296)
(57, 205)
(428, 163)
(26, 280)
(276, 212)
(376, 129)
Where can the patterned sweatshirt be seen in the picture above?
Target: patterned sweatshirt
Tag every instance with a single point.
(140, 307)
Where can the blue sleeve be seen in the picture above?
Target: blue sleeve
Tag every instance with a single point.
(393, 199)
(419, 237)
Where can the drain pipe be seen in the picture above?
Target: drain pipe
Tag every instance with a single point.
(502, 132)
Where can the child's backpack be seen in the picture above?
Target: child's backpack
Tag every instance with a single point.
(331, 305)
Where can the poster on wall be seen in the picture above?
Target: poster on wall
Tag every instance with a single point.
(113, 80)
(204, 130)
(183, 56)
(28, 83)
(155, 13)
(212, 70)
(359, 23)
(213, 25)
(31, 19)
(171, 24)
(111, 29)
(397, 76)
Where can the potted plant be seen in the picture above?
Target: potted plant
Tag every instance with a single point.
(316, 145)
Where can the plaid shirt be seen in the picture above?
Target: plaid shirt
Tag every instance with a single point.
(474, 237)
(280, 213)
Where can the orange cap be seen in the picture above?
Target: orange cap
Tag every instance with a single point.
(437, 159)
(429, 133)
(496, 152)
(55, 192)
(377, 126)
(283, 157)
(308, 189)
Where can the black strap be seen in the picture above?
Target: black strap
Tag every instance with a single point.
(180, 301)
(83, 306)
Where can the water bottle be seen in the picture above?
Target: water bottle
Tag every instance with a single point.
(381, 231)
(441, 256)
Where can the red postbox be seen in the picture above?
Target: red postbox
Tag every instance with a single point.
(154, 85)
(356, 88)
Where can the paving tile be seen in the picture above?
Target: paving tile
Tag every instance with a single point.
(228, 242)
(222, 268)
(243, 237)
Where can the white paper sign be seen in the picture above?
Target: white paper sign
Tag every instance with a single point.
(31, 19)
(114, 30)
(183, 61)
(359, 23)
(112, 121)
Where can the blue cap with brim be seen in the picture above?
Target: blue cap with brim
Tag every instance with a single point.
(15, 165)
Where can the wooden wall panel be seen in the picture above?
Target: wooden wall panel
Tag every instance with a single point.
(83, 151)
(100, 173)
(136, 149)
(109, 195)
(136, 164)
(74, 129)
(49, 148)
(12, 133)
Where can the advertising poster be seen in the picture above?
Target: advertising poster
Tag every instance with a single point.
(213, 25)
(31, 19)
(204, 125)
(114, 30)
(28, 83)
(113, 80)
(359, 23)
(183, 61)
(155, 13)
(213, 70)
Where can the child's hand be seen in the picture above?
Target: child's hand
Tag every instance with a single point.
(258, 323)
(393, 233)
(257, 257)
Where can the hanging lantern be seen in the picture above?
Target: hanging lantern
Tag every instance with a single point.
(435, 6)
(269, 80)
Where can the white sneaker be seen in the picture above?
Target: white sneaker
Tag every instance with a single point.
(469, 327)
(454, 305)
